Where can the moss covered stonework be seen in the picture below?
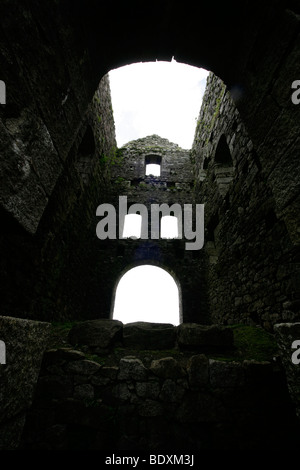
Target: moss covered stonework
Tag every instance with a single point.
(252, 262)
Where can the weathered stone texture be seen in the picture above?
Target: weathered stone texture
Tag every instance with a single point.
(210, 403)
(197, 369)
(25, 342)
(197, 337)
(252, 267)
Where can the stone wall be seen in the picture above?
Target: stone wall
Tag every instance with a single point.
(25, 342)
(174, 185)
(118, 389)
(287, 334)
(47, 275)
(253, 269)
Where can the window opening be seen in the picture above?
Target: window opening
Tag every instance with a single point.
(223, 155)
(147, 293)
(153, 165)
(153, 169)
(223, 168)
(132, 226)
(169, 227)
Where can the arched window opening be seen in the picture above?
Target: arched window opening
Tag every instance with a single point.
(147, 293)
(169, 227)
(132, 226)
(87, 145)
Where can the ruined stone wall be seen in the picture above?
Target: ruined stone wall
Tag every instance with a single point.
(253, 270)
(46, 275)
(114, 257)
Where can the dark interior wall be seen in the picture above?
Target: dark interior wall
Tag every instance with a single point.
(47, 275)
(253, 274)
(53, 55)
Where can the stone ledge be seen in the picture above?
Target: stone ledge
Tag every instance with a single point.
(143, 335)
(100, 335)
(194, 336)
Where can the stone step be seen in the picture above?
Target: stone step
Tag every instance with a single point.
(103, 333)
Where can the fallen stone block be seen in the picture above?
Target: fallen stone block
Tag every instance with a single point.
(143, 335)
(102, 333)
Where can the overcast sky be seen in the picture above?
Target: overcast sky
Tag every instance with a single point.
(161, 98)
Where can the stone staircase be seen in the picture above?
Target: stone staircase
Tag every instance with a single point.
(156, 387)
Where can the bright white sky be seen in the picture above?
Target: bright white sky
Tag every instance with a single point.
(147, 293)
(162, 98)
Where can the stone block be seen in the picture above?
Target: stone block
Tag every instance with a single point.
(171, 392)
(150, 408)
(110, 372)
(192, 336)
(84, 367)
(101, 333)
(132, 368)
(144, 335)
(226, 374)
(197, 368)
(58, 356)
(84, 392)
(121, 392)
(147, 389)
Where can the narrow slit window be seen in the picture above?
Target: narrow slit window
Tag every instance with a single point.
(169, 227)
(223, 156)
(153, 169)
(132, 226)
